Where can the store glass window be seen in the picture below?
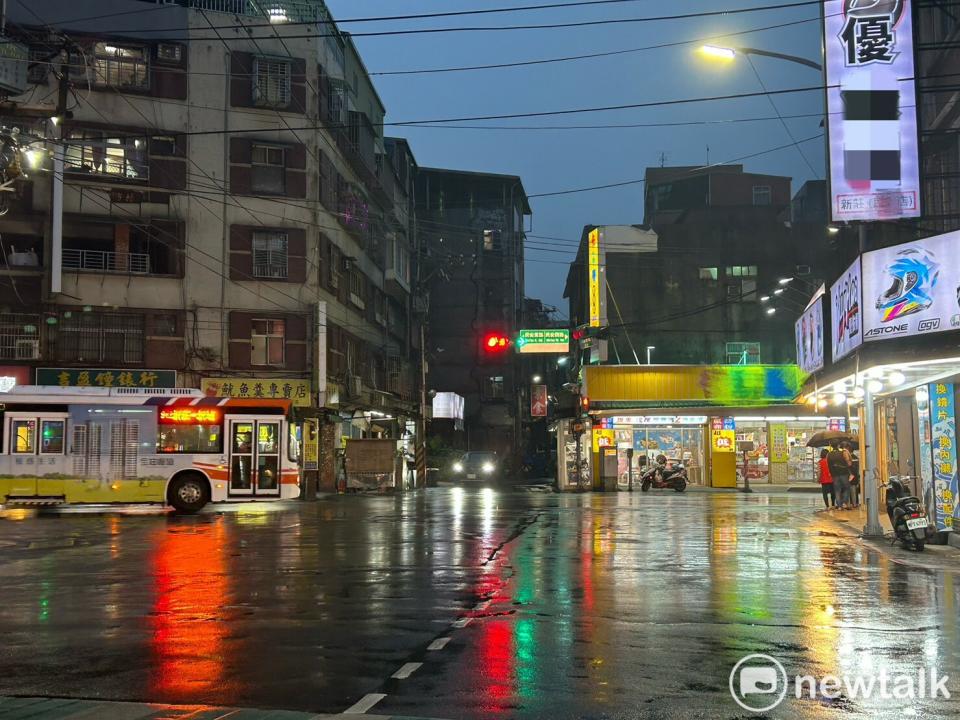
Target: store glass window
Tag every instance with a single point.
(51, 437)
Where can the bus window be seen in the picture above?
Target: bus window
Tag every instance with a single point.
(24, 436)
(189, 439)
(51, 437)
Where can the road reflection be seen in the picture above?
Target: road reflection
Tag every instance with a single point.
(192, 587)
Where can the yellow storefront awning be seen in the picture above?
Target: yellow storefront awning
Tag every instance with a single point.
(622, 386)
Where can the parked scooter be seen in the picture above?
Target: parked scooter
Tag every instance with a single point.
(906, 515)
(661, 476)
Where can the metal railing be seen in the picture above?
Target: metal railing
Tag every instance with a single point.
(102, 261)
(277, 10)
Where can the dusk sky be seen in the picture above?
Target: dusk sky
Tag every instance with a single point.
(575, 158)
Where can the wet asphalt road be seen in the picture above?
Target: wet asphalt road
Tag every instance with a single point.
(537, 606)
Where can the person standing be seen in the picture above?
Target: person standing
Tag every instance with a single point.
(839, 465)
(855, 478)
(826, 480)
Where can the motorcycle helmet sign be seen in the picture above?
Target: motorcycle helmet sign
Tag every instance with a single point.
(912, 289)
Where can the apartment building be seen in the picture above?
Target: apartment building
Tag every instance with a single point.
(231, 212)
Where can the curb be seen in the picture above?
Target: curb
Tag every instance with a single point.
(934, 557)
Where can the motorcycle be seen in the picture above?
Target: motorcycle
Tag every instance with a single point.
(906, 515)
(661, 476)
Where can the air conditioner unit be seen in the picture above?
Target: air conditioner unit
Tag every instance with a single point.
(28, 349)
(803, 270)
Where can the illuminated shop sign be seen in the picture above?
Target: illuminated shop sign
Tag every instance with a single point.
(871, 105)
(847, 319)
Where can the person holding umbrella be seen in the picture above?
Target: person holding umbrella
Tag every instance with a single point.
(838, 460)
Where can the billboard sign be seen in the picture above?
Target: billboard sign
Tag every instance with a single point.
(593, 279)
(106, 377)
(912, 289)
(552, 340)
(944, 445)
(846, 300)
(871, 109)
(809, 336)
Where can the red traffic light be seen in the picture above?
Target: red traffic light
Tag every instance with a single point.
(496, 343)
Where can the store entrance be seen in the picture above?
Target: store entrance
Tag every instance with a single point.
(678, 444)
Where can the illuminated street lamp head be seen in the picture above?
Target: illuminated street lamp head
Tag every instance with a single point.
(562, 361)
(833, 229)
(784, 281)
(778, 291)
(764, 298)
(536, 379)
(715, 51)
(771, 311)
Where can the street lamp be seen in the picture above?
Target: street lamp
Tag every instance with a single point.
(730, 53)
(650, 348)
(537, 379)
(785, 280)
(771, 311)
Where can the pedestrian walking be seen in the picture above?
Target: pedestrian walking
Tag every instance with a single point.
(839, 465)
(826, 481)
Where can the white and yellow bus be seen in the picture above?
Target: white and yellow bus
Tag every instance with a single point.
(128, 445)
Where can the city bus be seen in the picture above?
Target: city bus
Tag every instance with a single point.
(180, 447)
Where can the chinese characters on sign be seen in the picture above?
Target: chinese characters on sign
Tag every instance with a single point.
(293, 389)
(106, 378)
(553, 340)
(871, 105)
(779, 450)
(594, 276)
(944, 448)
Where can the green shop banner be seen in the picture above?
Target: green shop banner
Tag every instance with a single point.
(106, 377)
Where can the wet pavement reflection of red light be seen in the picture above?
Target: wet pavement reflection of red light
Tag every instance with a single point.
(192, 588)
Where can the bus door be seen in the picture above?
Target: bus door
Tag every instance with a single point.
(254, 460)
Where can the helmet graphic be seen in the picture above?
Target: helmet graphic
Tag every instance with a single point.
(874, 8)
(913, 274)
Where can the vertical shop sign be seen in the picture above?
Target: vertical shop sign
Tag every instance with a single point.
(871, 109)
(944, 446)
(594, 276)
(779, 451)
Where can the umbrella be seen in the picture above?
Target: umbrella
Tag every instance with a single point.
(831, 437)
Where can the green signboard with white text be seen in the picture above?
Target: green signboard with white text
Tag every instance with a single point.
(543, 341)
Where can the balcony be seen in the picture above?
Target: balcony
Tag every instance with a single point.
(279, 11)
(106, 262)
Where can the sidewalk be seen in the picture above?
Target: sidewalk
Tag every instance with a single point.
(852, 522)
(17, 708)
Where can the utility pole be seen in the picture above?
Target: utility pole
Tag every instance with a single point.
(871, 493)
(56, 185)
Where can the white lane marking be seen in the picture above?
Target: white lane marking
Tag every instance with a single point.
(481, 606)
(439, 643)
(406, 671)
(461, 623)
(365, 703)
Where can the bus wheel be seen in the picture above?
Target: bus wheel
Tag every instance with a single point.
(189, 492)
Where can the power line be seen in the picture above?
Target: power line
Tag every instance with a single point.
(704, 167)
(505, 28)
(590, 56)
(415, 16)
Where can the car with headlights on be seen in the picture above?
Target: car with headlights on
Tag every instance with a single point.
(476, 466)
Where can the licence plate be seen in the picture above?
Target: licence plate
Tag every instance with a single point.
(472, 476)
(916, 523)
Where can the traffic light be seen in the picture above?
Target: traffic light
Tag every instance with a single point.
(495, 343)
